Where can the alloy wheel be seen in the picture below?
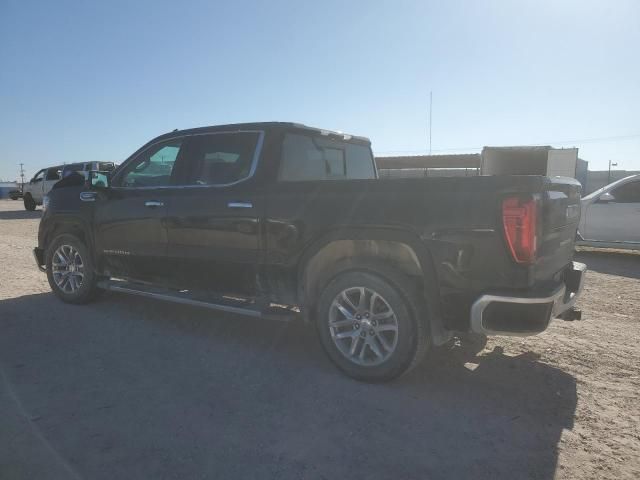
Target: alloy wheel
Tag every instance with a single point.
(363, 326)
(67, 269)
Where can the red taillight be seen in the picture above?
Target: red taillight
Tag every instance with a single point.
(519, 220)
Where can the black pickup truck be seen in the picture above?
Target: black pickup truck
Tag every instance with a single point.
(280, 220)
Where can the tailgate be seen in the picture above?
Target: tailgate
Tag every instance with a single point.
(558, 224)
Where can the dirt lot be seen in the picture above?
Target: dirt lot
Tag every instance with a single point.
(131, 388)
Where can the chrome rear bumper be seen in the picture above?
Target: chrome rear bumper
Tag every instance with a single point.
(524, 316)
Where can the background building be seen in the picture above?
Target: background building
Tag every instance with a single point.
(6, 187)
(537, 160)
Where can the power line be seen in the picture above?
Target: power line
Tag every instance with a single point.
(554, 142)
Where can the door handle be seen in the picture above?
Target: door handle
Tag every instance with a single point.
(240, 205)
(153, 204)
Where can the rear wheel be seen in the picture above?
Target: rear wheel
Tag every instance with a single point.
(369, 329)
(70, 270)
(29, 203)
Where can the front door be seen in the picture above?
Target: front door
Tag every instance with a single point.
(617, 220)
(131, 235)
(36, 184)
(214, 221)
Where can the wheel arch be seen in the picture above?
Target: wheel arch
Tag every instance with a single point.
(73, 226)
(398, 250)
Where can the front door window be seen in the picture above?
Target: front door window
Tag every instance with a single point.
(152, 168)
(38, 177)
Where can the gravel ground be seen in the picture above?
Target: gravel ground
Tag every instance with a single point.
(131, 388)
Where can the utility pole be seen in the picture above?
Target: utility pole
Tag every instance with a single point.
(21, 176)
(610, 165)
(430, 117)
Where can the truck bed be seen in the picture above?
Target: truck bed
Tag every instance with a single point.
(458, 219)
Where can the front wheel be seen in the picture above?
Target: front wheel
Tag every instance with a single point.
(70, 270)
(29, 203)
(369, 329)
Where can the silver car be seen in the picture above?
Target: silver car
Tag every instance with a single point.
(611, 216)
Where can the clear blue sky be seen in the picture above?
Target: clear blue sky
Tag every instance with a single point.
(95, 80)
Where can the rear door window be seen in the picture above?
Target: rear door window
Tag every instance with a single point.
(222, 158)
(54, 173)
(305, 157)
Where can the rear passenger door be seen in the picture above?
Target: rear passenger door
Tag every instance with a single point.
(320, 185)
(53, 176)
(213, 222)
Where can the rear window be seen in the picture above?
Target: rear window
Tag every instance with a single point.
(106, 166)
(317, 158)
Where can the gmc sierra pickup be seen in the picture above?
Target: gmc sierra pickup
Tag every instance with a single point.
(280, 220)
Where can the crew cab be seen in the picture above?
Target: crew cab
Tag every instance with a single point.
(285, 221)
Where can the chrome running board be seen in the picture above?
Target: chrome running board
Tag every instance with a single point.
(237, 306)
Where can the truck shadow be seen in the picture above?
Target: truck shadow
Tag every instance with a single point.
(128, 385)
(625, 264)
(19, 214)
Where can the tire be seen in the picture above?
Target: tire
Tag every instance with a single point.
(81, 284)
(396, 306)
(29, 203)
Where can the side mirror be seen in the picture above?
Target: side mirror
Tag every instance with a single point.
(99, 180)
(606, 198)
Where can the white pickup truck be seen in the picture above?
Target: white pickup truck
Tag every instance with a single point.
(41, 183)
